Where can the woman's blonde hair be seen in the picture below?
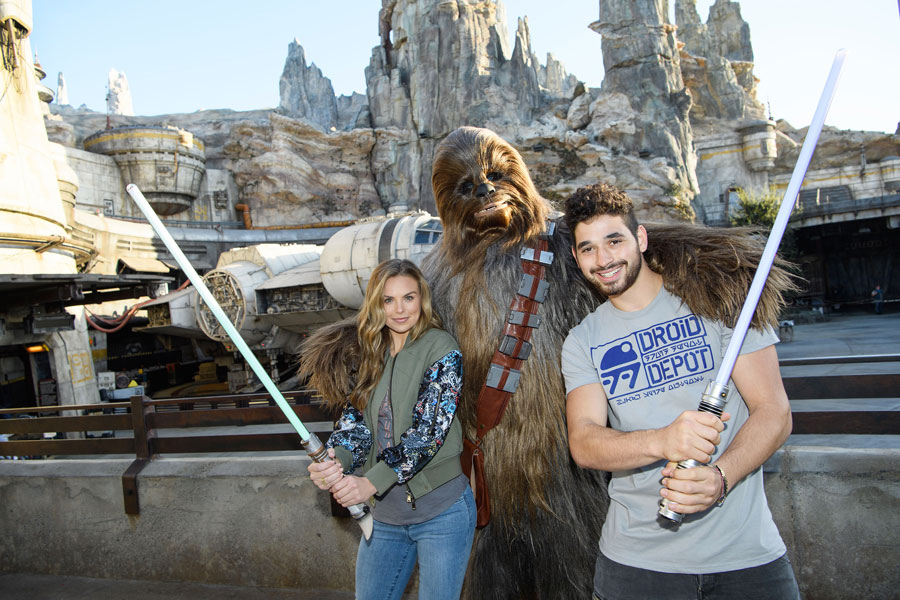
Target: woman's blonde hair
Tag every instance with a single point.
(371, 325)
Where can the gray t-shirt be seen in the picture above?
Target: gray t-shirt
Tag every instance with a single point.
(654, 364)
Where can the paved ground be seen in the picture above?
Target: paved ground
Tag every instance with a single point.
(841, 335)
(847, 335)
(49, 587)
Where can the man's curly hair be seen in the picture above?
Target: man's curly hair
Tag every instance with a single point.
(592, 201)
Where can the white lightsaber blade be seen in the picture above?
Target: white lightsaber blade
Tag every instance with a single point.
(781, 221)
(716, 392)
(310, 442)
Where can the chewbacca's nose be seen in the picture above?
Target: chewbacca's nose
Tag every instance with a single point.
(484, 189)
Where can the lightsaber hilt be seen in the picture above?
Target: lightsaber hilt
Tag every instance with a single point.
(360, 512)
(712, 401)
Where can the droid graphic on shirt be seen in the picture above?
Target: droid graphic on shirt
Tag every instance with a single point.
(661, 357)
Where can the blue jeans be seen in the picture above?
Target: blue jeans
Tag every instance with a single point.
(771, 581)
(442, 544)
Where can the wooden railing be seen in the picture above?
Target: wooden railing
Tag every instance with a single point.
(850, 389)
(142, 419)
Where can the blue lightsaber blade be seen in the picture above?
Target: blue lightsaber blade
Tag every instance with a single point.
(311, 443)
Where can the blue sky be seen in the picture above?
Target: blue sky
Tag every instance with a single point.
(197, 54)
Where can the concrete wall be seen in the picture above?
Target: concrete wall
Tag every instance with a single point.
(100, 186)
(253, 521)
(259, 521)
(100, 183)
(838, 511)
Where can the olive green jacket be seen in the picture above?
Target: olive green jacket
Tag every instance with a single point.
(425, 390)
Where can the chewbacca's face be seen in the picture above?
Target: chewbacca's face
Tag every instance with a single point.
(482, 187)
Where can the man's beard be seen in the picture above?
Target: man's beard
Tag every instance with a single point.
(625, 281)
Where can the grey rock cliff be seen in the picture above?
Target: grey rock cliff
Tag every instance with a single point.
(717, 62)
(288, 171)
(441, 65)
(643, 106)
(307, 94)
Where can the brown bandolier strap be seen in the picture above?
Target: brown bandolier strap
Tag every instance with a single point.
(506, 365)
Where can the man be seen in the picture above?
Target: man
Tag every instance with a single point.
(878, 299)
(635, 370)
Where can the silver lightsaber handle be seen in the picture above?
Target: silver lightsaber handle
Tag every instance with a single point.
(712, 401)
(360, 512)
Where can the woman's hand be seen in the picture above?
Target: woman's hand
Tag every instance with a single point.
(326, 474)
(352, 490)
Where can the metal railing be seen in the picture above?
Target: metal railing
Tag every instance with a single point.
(810, 209)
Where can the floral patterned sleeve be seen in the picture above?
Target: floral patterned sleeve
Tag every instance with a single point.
(352, 433)
(433, 414)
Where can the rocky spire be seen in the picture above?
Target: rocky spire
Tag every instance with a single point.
(118, 98)
(729, 34)
(642, 63)
(691, 29)
(717, 61)
(62, 93)
(554, 79)
(306, 93)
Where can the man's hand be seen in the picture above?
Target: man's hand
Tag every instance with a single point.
(593, 445)
(690, 490)
(352, 490)
(693, 435)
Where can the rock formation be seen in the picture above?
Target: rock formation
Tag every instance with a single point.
(835, 148)
(643, 76)
(307, 94)
(440, 65)
(445, 64)
(62, 93)
(717, 62)
(118, 98)
(288, 172)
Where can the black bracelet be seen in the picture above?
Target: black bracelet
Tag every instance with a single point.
(721, 499)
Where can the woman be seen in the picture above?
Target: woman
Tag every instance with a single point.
(397, 444)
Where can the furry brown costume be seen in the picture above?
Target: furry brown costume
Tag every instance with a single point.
(546, 512)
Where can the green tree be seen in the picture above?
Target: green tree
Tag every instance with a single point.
(756, 210)
(760, 210)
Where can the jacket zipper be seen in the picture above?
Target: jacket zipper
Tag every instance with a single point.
(410, 498)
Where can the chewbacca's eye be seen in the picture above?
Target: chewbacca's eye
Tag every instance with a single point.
(494, 176)
(465, 187)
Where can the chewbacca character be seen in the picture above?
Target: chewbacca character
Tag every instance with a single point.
(546, 512)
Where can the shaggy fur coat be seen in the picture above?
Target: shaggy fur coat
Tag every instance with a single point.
(546, 511)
